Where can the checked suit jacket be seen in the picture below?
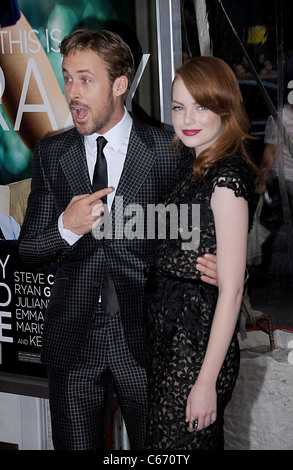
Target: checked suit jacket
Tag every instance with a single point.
(59, 173)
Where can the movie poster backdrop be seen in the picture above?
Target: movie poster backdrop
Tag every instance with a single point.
(33, 106)
(31, 84)
(24, 296)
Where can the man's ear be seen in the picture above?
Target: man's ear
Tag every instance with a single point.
(120, 85)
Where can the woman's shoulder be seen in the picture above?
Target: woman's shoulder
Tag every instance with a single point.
(234, 161)
(235, 173)
(235, 164)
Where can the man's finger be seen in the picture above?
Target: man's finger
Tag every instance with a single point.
(98, 210)
(209, 280)
(208, 259)
(208, 268)
(101, 193)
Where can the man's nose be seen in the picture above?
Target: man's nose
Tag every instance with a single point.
(75, 91)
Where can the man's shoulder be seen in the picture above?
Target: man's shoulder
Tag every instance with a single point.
(149, 131)
(60, 139)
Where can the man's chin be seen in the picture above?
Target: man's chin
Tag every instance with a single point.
(83, 129)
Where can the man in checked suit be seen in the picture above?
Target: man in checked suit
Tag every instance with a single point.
(84, 339)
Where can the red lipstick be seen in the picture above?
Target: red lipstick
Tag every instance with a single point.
(191, 132)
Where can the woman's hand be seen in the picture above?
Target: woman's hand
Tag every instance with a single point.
(201, 406)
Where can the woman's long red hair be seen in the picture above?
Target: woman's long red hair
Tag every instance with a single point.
(212, 84)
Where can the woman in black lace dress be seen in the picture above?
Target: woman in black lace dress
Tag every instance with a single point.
(193, 353)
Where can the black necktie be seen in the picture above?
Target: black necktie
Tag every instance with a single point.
(100, 178)
(100, 181)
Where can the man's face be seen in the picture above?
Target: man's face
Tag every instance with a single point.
(89, 93)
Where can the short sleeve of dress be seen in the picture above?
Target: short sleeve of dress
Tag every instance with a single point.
(233, 172)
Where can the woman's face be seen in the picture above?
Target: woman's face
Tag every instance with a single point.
(195, 125)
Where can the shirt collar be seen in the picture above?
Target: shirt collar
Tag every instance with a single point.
(116, 135)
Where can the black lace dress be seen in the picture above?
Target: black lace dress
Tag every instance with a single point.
(179, 311)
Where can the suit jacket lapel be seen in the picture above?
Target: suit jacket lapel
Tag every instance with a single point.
(74, 166)
(138, 163)
(75, 169)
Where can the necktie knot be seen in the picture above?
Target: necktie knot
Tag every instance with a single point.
(101, 142)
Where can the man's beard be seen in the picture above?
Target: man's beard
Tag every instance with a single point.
(100, 120)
